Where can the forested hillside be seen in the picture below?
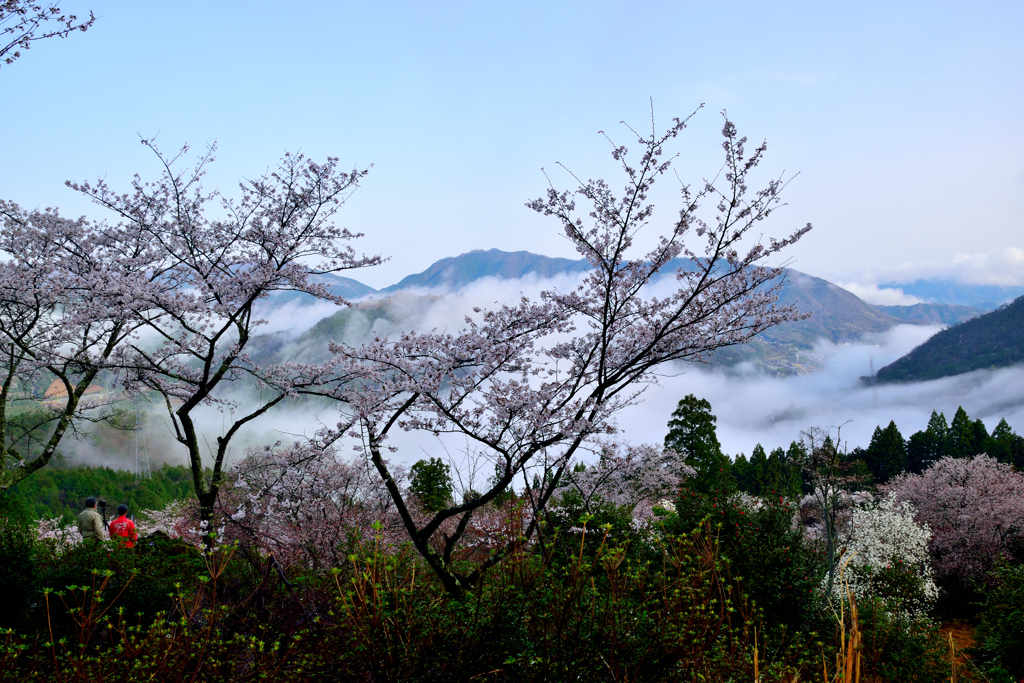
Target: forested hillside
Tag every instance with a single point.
(60, 492)
(942, 314)
(993, 340)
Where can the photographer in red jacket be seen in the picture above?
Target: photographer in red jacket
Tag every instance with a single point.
(123, 528)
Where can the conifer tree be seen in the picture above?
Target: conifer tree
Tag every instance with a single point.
(886, 455)
(692, 432)
(960, 438)
(759, 469)
(1005, 445)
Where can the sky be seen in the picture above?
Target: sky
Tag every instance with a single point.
(902, 119)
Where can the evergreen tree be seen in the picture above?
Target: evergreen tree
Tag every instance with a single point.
(797, 481)
(960, 439)
(775, 477)
(940, 430)
(980, 437)
(1006, 446)
(742, 473)
(759, 470)
(431, 483)
(886, 455)
(692, 432)
(929, 445)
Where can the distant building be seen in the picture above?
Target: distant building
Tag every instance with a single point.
(57, 394)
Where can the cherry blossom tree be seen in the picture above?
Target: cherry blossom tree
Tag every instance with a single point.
(633, 477)
(22, 22)
(66, 295)
(305, 505)
(215, 259)
(530, 384)
(974, 508)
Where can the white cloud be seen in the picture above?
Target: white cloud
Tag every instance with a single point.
(772, 411)
(751, 406)
(1003, 267)
(872, 294)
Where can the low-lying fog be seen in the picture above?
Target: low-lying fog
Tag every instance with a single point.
(751, 406)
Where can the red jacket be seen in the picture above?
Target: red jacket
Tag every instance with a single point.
(125, 528)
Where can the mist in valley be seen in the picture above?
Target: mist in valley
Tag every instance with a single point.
(752, 405)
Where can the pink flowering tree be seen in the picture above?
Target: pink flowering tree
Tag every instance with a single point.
(974, 507)
(65, 309)
(23, 22)
(632, 477)
(306, 505)
(531, 384)
(214, 259)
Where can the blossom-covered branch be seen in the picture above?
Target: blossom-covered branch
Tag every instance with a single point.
(530, 384)
(22, 22)
(209, 271)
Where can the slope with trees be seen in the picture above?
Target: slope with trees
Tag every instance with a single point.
(993, 340)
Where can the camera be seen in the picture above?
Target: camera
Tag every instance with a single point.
(103, 512)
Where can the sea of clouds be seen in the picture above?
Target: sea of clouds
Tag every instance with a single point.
(751, 406)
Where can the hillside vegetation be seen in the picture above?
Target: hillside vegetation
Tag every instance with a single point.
(61, 491)
(993, 340)
(941, 314)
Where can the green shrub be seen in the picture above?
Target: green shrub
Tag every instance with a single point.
(775, 565)
(898, 648)
(999, 638)
(17, 572)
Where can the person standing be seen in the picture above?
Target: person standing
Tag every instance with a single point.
(123, 528)
(89, 522)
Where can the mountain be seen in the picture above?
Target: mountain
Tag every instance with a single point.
(992, 340)
(837, 315)
(339, 286)
(985, 297)
(458, 271)
(933, 314)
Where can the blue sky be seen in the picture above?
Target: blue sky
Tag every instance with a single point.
(903, 119)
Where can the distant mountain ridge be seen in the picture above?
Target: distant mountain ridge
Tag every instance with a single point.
(837, 315)
(939, 314)
(458, 271)
(985, 297)
(344, 287)
(993, 340)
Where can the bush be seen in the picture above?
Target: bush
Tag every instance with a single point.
(999, 638)
(17, 572)
(900, 648)
(777, 568)
(148, 576)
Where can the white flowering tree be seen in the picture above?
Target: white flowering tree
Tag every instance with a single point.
(66, 306)
(887, 558)
(529, 385)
